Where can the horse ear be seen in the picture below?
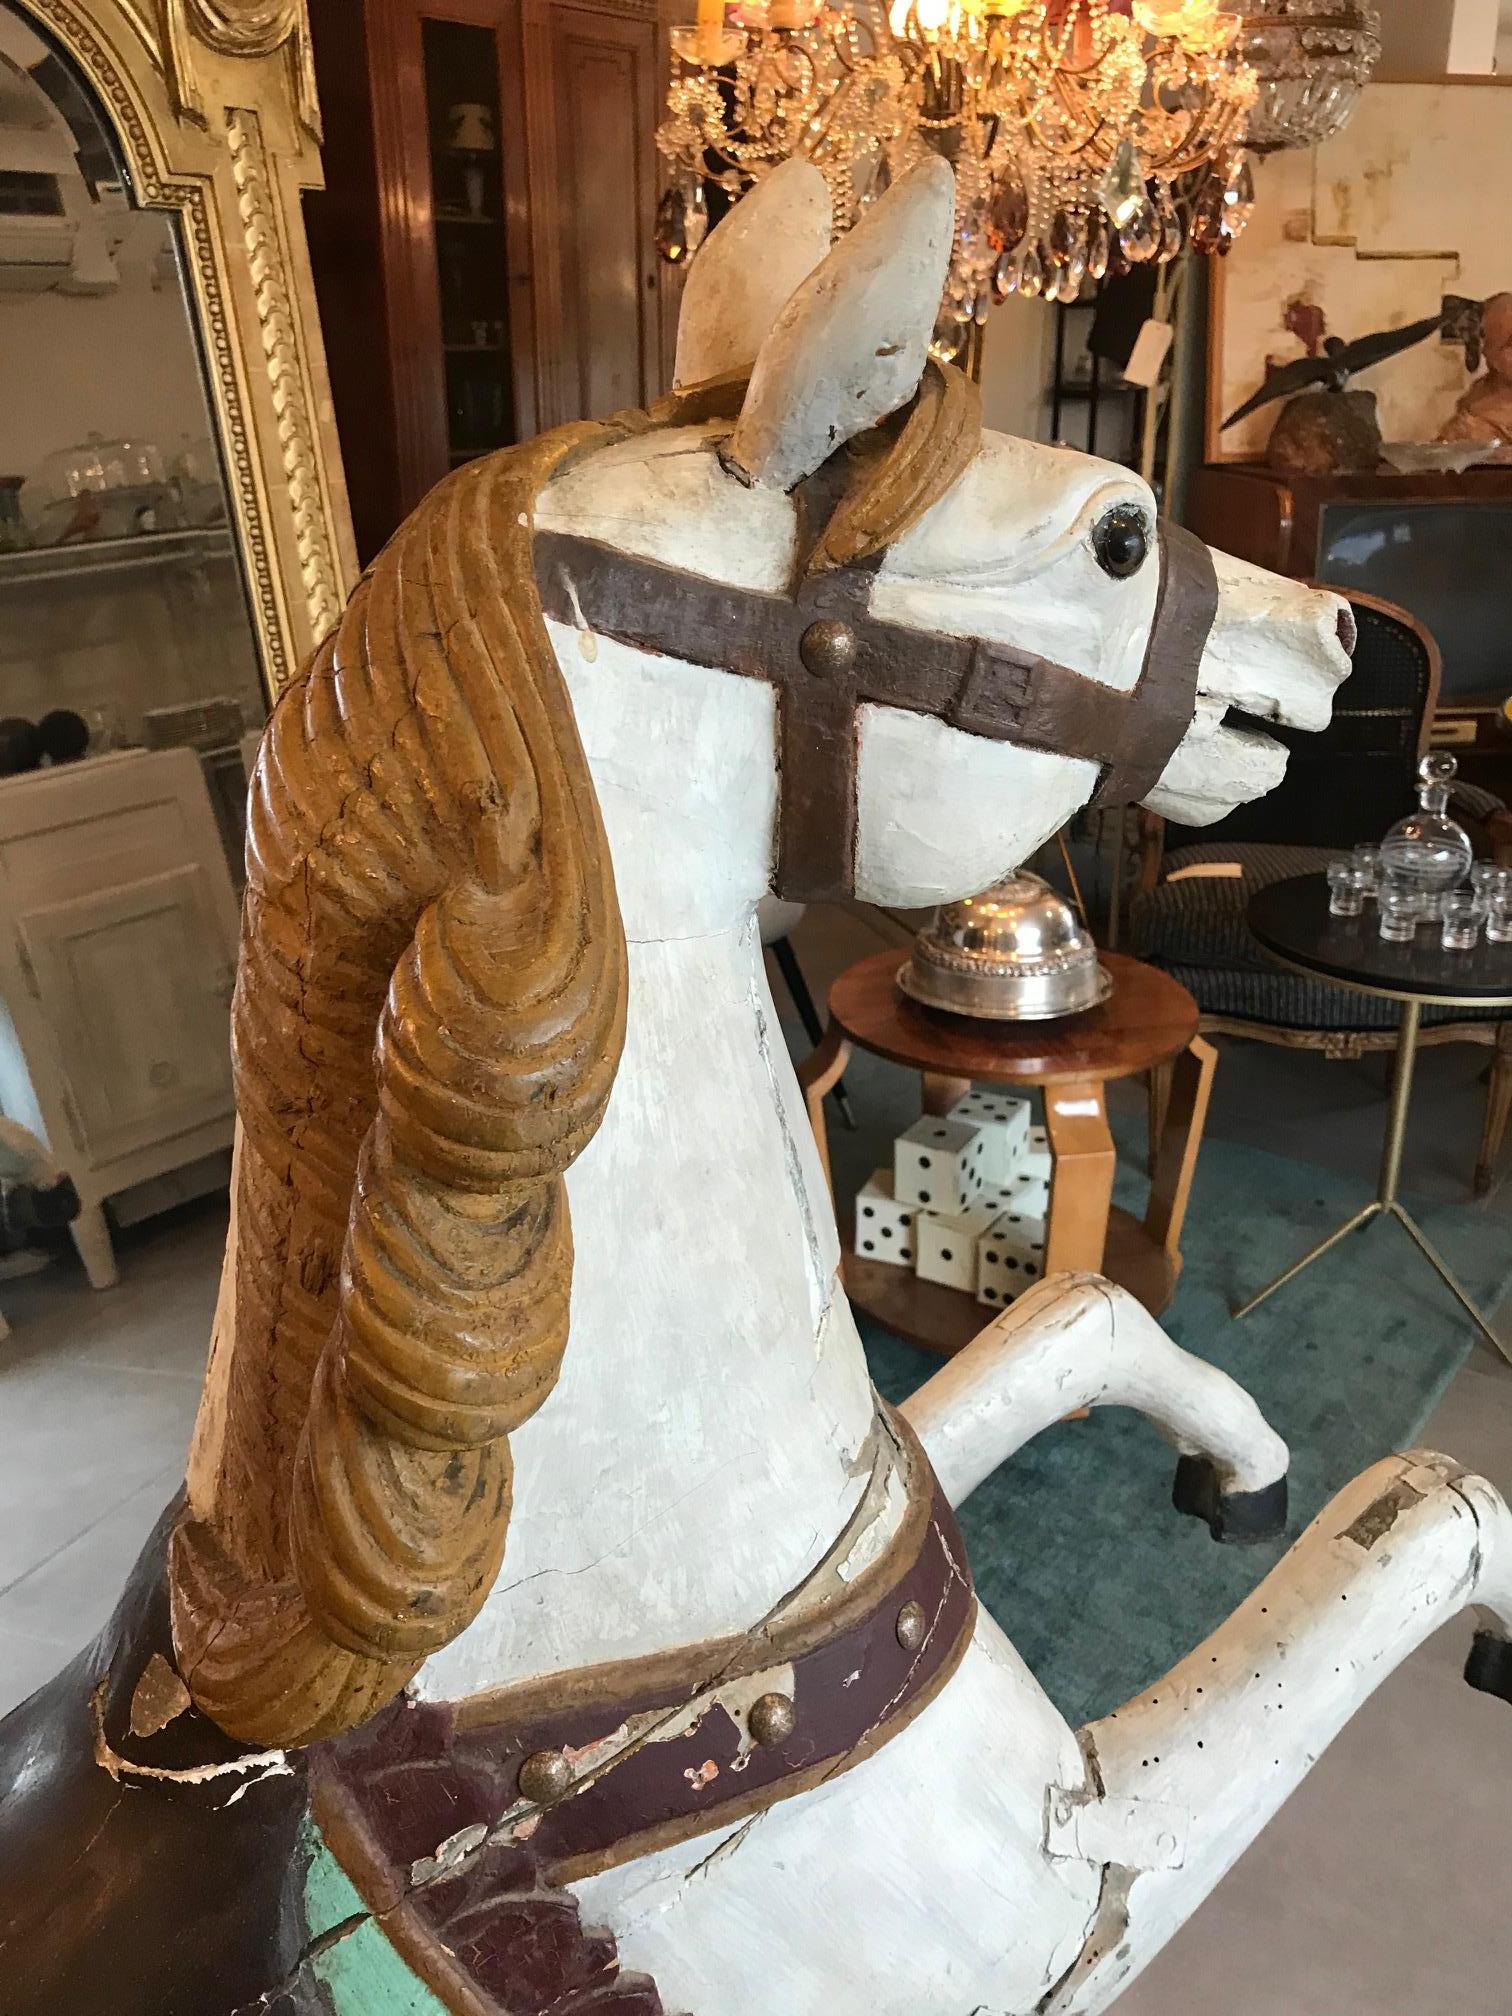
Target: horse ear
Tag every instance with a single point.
(767, 245)
(850, 346)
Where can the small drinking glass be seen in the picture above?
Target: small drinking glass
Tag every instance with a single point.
(1460, 915)
(1499, 918)
(1346, 889)
(1490, 880)
(1367, 859)
(1400, 910)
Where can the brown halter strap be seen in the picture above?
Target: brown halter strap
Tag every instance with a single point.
(826, 655)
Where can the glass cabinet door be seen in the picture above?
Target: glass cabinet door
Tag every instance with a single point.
(467, 208)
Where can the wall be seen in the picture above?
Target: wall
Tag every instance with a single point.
(1016, 354)
(1436, 38)
(1375, 227)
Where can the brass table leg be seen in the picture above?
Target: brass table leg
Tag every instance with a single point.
(1385, 1203)
(1428, 1253)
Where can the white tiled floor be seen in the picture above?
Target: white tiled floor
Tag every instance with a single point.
(1381, 1889)
(97, 1400)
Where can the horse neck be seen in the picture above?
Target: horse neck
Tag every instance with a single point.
(711, 1432)
(713, 1428)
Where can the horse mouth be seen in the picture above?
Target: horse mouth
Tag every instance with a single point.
(1254, 727)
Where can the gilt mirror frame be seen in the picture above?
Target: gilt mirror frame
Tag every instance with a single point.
(213, 106)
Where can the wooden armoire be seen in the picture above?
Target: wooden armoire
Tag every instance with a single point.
(483, 248)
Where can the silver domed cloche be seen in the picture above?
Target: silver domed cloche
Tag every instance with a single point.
(1016, 953)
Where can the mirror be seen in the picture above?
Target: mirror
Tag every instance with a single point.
(124, 616)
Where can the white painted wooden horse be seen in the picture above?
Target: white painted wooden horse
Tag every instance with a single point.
(724, 1717)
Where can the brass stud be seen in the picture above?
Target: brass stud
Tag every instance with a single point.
(911, 1626)
(772, 1719)
(545, 1777)
(828, 648)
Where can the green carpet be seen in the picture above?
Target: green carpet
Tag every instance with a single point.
(1076, 1549)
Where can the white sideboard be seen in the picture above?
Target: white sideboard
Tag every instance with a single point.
(118, 940)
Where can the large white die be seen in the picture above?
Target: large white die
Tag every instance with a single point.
(1004, 1122)
(885, 1229)
(1010, 1257)
(946, 1246)
(1036, 1159)
(1028, 1195)
(937, 1164)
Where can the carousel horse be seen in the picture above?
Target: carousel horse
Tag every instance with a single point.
(485, 1667)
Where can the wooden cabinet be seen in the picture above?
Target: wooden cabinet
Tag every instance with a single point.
(118, 940)
(483, 250)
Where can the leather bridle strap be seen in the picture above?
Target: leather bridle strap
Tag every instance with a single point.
(826, 654)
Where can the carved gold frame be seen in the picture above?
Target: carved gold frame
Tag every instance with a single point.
(213, 102)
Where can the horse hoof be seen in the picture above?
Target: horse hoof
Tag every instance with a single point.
(1489, 1667)
(1236, 1518)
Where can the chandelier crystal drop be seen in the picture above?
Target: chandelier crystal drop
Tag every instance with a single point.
(1086, 135)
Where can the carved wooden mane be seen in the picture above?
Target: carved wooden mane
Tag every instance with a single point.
(426, 867)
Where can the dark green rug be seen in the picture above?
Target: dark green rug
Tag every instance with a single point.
(1076, 1549)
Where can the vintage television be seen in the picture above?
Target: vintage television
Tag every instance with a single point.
(1439, 545)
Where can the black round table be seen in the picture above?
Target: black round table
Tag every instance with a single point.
(1292, 922)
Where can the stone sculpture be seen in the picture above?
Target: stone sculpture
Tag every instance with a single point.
(554, 1620)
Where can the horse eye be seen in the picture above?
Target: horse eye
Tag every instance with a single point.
(1121, 541)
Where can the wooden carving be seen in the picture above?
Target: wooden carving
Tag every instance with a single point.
(733, 1658)
(1484, 413)
(427, 870)
(251, 28)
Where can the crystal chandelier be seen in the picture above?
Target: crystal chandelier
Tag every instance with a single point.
(1312, 59)
(1086, 135)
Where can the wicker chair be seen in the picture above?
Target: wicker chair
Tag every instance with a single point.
(1345, 785)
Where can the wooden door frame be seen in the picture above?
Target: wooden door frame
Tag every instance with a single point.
(407, 228)
(627, 26)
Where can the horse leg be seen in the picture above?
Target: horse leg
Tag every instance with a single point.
(1077, 1341)
(1188, 1774)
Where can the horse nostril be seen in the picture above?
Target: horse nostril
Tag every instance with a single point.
(1348, 629)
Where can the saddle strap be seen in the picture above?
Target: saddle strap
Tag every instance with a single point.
(584, 1770)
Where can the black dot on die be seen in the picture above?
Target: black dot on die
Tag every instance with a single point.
(991, 1259)
(990, 1294)
(1030, 1268)
(923, 1196)
(939, 1133)
(924, 1162)
(868, 1245)
(946, 1253)
(868, 1211)
(1011, 1262)
(907, 1218)
(887, 1231)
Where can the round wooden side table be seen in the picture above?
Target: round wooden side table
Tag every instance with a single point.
(1149, 1021)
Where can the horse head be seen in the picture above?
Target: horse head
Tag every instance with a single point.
(1097, 655)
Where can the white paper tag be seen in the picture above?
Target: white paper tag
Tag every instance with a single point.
(1149, 353)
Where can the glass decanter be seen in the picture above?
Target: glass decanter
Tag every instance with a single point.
(1427, 851)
